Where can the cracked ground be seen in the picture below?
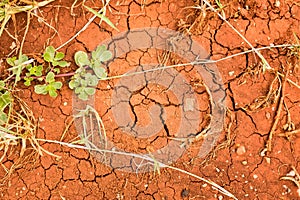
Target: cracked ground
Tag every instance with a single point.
(238, 162)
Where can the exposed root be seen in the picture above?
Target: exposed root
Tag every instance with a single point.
(278, 112)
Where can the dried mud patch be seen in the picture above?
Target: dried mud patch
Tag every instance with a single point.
(238, 163)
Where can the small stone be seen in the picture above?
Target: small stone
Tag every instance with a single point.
(244, 162)
(255, 176)
(231, 73)
(241, 150)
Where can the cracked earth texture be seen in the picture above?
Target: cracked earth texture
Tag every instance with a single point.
(239, 167)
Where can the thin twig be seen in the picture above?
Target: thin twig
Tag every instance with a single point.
(289, 133)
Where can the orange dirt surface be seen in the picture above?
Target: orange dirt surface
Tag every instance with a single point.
(237, 163)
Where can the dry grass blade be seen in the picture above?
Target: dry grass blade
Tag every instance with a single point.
(101, 16)
(270, 98)
(278, 112)
(9, 9)
(18, 133)
(85, 26)
(264, 61)
(151, 160)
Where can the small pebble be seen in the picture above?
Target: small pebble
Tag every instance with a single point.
(241, 150)
(231, 73)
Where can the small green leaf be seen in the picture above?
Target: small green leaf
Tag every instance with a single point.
(56, 70)
(83, 83)
(23, 58)
(73, 84)
(64, 64)
(83, 96)
(97, 53)
(50, 78)
(59, 56)
(35, 70)
(40, 89)
(79, 90)
(47, 57)
(92, 80)
(81, 59)
(96, 63)
(100, 72)
(39, 70)
(49, 54)
(105, 56)
(27, 81)
(57, 85)
(90, 91)
(52, 93)
(11, 61)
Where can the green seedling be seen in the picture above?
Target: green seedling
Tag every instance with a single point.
(99, 56)
(84, 82)
(33, 70)
(55, 58)
(50, 87)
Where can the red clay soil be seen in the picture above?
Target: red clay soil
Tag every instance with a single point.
(237, 164)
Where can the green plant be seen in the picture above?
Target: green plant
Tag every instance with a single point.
(49, 87)
(33, 70)
(83, 81)
(55, 58)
